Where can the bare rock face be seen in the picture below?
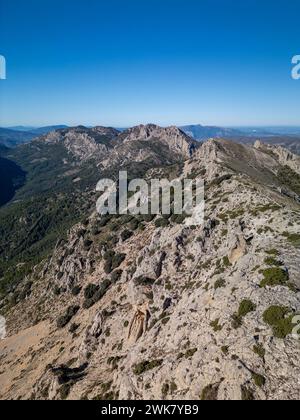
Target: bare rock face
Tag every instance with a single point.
(2, 328)
(139, 323)
(83, 146)
(82, 143)
(173, 137)
(284, 156)
(91, 337)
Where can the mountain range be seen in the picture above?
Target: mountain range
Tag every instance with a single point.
(136, 307)
(12, 136)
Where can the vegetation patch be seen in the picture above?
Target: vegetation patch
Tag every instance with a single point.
(210, 393)
(126, 234)
(259, 350)
(226, 262)
(290, 178)
(247, 394)
(112, 261)
(161, 223)
(190, 353)
(274, 277)
(219, 284)
(246, 307)
(274, 252)
(144, 281)
(293, 238)
(94, 294)
(225, 350)
(66, 318)
(145, 366)
(216, 326)
(259, 380)
(271, 261)
(279, 319)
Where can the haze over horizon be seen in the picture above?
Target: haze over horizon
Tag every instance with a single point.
(121, 64)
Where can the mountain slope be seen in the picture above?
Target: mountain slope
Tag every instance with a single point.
(136, 308)
(287, 142)
(62, 170)
(14, 136)
(11, 138)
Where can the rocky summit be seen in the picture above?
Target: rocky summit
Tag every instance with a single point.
(151, 307)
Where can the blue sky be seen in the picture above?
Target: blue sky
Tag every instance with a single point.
(120, 63)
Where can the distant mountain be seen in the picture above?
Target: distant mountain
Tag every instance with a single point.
(292, 143)
(44, 130)
(13, 136)
(270, 131)
(202, 133)
(37, 130)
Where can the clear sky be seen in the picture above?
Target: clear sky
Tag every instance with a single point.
(124, 62)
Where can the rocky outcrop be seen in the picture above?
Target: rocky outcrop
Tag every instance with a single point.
(284, 156)
(139, 323)
(173, 137)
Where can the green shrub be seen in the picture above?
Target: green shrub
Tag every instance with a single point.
(274, 314)
(274, 277)
(173, 387)
(26, 292)
(216, 326)
(134, 224)
(273, 262)
(144, 281)
(246, 307)
(126, 234)
(66, 318)
(165, 390)
(293, 238)
(259, 380)
(190, 353)
(148, 218)
(87, 244)
(210, 393)
(247, 394)
(236, 321)
(64, 391)
(219, 284)
(112, 261)
(145, 366)
(259, 350)
(277, 318)
(57, 290)
(76, 290)
(226, 262)
(274, 252)
(225, 350)
(178, 218)
(96, 293)
(90, 291)
(161, 223)
(73, 328)
(116, 275)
